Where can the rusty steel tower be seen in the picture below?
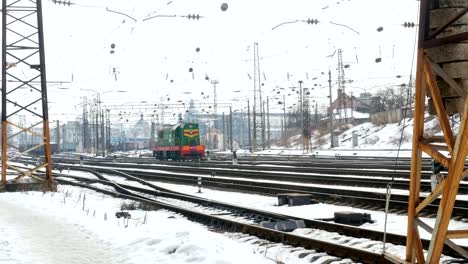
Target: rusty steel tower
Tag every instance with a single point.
(24, 90)
(442, 75)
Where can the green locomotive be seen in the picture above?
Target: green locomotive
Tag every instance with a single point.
(181, 141)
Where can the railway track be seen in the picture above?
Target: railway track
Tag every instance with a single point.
(335, 198)
(274, 183)
(362, 199)
(336, 168)
(321, 175)
(243, 223)
(371, 167)
(249, 218)
(305, 164)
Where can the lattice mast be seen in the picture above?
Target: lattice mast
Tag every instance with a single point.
(305, 120)
(108, 132)
(257, 110)
(85, 136)
(215, 97)
(24, 89)
(214, 115)
(152, 135)
(441, 74)
(341, 87)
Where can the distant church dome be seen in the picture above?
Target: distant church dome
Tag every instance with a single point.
(190, 115)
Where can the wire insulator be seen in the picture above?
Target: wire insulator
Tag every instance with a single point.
(312, 21)
(409, 24)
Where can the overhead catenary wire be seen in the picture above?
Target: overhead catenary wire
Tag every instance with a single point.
(120, 13)
(408, 101)
(189, 16)
(271, 76)
(313, 21)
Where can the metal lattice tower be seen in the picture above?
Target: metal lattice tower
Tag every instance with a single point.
(341, 86)
(441, 74)
(215, 97)
(257, 110)
(108, 132)
(306, 120)
(24, 90)
(215, 112)
(152, 135)
(86, 131)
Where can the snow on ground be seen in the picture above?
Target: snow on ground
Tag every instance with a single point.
(395, 224)
(373, 140)
(53, 228)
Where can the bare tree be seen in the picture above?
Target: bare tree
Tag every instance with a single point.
(391, 98)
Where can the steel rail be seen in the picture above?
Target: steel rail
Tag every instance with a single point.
(255, 230)
(330, 227)
(319, 176)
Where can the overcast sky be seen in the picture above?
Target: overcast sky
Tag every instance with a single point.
(149, 54)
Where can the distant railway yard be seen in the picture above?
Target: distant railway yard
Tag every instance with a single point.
(266, 132)
(352, 182)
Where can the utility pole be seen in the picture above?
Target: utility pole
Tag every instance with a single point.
(98, 114)
(152, 135)
(77, 134)
(96, 127)
(241, 140)
(306, 119)
(263, 125)
(92, 145)
(215, 97)
(331, 108)
(284, 115)
(215, 112)
(316, 115)
(210, 142)
(224, 134)
(124, 141)
(85, 125)
(64, 138)
(103, 148)
(230, 128)
(268, 121)
(341, 86)
(301, 112)
(162, 112)
(57, 133)
(109, 146)
(248, 126)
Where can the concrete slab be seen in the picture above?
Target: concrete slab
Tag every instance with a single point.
(286, 226)
(294, 199)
